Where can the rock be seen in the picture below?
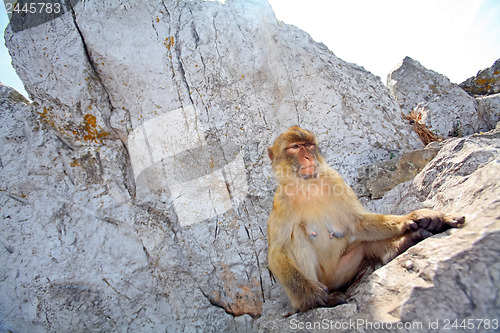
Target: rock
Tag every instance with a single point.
(444, 107)
(451, 276)
(189, 71)
(488, 108)
(11, 95)
(486, 82)
(136, 186)
(376, 179)
(445, 117)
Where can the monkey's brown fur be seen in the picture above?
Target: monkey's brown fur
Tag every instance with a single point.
(319, 234)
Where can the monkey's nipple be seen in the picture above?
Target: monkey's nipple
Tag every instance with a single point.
(335, 233)
(313, 232)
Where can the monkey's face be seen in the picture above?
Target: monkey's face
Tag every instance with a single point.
(302, 155)
(295, 154)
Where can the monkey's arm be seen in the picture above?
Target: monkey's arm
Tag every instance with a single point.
(373, 227)
(378, 226)
(367, 226)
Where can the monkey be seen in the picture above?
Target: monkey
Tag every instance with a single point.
(319, 235)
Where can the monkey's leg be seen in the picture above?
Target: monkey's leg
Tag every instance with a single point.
(352, 260)
(387, 250)
(303, 292)
(348, 266)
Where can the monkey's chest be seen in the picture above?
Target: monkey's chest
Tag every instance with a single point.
(324, 236)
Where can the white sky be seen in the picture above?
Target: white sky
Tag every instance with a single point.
(453, 37)
(456, 38)
(7, 74)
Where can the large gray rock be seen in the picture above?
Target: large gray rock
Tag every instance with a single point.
(136, 188)
(488, 108)
(451, 276)
(486, 82)
(377, 179)
(444, 107)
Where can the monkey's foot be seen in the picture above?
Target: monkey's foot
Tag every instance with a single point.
(286, 315)
(336, 298)
(411, 239)
(314, 295)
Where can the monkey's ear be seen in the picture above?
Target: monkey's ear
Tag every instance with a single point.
(270, 153)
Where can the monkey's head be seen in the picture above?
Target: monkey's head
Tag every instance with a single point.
(295, 153)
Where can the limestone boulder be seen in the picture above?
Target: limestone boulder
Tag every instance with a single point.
(377, 179)
(488, 108)
(486, 82)
(135, 189)
(444, 107)
(136, 186)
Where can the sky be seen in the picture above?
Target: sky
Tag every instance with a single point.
(7, 74)
(456, 38)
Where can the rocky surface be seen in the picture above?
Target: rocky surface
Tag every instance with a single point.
(376, 179)
(444, 107)
(486, 82)
(488, 108)
(135, 188)
(144, 168)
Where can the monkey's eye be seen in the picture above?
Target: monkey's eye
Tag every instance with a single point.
(294, 146)
(309, 145)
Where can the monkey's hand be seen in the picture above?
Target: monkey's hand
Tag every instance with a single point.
(314, 295)
(435, 221)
